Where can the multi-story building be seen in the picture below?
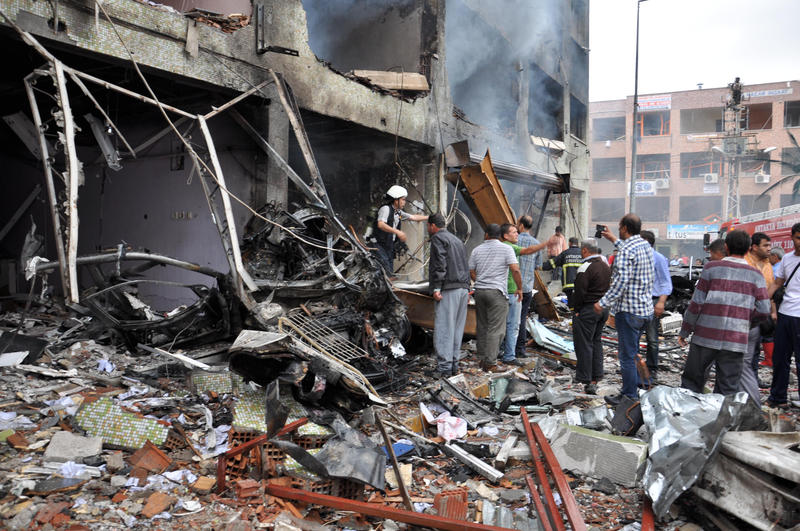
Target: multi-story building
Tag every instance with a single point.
(493, 76)
(686, 157)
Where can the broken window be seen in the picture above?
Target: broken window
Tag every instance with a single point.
(608, 129)
(694, 208)
(577, 120)
(653, 208)
(707, 120)
(752, 204)
(577, 66)
(612, 169)
(791, 114)
(375, 36)
(608, 209)
(759, 116)
(699, 163)
(546, 113)
(653, 123)
(651, 167)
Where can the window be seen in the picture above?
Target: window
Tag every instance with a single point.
(694, 165)
(790, 156)
(789, 200)
(701, 120)
(791, 114)
(653, 208)
(653, 123)
(608, 129)
(695, 208)
(608, 209)
(753, 204)
(651, 167)
(759, 116)
(546, 110)
(753, 167)
(577, 118)
(608, 169)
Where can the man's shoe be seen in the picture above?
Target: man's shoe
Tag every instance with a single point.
(522, 354)
(614, 400)
(490, 367)
(514, 361)
(590, 389)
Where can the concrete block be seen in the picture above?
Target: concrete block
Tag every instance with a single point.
(66, 446)
(599, 455)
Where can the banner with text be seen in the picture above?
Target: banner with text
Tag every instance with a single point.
(690, 231)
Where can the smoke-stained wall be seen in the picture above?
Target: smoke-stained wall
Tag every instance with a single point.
(366, 34)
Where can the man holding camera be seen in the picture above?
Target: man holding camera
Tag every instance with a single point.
(629, 297)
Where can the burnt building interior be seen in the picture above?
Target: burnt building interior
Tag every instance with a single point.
(142, 111)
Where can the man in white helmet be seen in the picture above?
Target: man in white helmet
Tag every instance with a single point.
(387, 225)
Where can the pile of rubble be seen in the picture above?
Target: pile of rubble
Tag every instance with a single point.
(276, 429)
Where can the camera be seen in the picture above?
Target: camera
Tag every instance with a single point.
(598, 230)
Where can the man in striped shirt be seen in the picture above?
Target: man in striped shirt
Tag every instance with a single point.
(730, 296)
(629, 298)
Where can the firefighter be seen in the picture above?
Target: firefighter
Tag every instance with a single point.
(568, 261)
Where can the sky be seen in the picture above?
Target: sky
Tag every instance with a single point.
(686, 42)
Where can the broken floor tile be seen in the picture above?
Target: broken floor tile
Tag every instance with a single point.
(150, 458)
(102, 418)
(65, 446)
(157, 503)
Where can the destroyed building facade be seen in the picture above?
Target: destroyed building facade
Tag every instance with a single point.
(124, 181)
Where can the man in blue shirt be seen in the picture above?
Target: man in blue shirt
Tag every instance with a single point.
(662, 287)
(775, 257)
(527, 267)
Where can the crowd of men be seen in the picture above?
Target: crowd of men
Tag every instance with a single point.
(731, 313)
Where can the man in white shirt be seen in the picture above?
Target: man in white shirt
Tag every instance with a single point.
(387, 226)
(489, 264)
(787, 328)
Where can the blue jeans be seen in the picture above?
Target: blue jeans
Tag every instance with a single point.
(629, 331)
(512, 328)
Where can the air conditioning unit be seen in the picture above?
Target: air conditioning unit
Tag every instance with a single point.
(710, 178)
(762, 178)
(662, 184)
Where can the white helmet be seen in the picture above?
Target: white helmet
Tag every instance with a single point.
(396, 192)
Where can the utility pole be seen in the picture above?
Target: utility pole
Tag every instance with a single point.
(635, 114)
(733, 147)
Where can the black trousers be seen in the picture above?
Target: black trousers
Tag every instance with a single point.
(699, 360)
(587, 329)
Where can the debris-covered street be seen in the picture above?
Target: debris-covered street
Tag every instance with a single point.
(99, 436)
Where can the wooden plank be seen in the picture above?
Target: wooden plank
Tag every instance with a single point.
(395, 80)
(484, 194)
(420, 311)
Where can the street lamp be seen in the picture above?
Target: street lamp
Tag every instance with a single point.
(635, 111)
